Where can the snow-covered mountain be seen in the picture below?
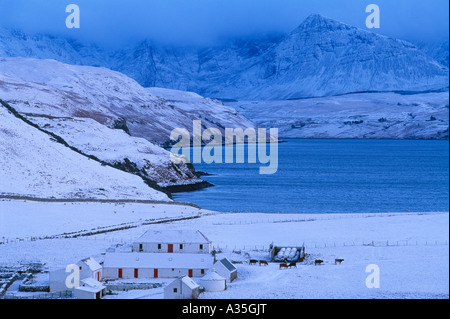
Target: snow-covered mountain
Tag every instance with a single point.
(34, 164)
(439, 50)
(319, 58)
(110, 116)
(363, 115)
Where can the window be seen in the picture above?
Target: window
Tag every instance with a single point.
(175, 290)
(159, 246)
(181, 246)
(141, 248)
(203, 271)
(201, 247)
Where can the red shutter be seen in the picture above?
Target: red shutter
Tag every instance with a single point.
(170, 248)
(155, 273)
(136, 273)
(191, 273)
(120, 272)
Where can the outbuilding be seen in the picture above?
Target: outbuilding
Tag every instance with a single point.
(213, 282)
(149, 265)
(88, 267)
(173, 241)
(226, 269)
(89, 289)
(182, 288)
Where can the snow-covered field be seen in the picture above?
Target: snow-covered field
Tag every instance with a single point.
(411, 249)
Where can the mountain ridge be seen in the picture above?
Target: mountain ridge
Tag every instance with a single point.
(321, 57)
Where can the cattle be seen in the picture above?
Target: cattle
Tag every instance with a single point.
(253, 262)
(318, 262)
(284, 266)
(338, 261)
(263, 262)
(292, 265)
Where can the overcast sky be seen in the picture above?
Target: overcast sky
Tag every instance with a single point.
(205, 22)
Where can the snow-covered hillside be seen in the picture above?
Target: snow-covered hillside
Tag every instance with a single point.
(365, 115)
(120, 149)
(319, 58)
(34, 164)
(110, 116)
(48, 87)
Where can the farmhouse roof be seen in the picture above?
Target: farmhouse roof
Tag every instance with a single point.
(91, 282)
(189, 282)
(173, 236)
(92, 264)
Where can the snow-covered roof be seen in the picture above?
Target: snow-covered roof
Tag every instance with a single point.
(92, 264)
(173, 236)
(228, 264)
(189, 282)
(212, 276)
(159, 261)
(91, 282)
(90, 289)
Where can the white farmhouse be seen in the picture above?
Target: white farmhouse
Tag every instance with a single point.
(182, 288)
(89, 268)
(226, 269)
(173, 241)
(150, 265)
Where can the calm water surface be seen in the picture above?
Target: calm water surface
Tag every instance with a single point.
(334, 176)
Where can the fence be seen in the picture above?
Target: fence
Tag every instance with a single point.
(309, 245)
(50, 295)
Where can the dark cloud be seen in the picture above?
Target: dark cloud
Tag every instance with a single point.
(204, 22)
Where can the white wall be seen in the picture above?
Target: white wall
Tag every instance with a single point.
(189, 248)
(183, 291)
(128, 273)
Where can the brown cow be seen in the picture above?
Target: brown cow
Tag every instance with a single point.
(318, 262)
(263, 262)
(338, 261)
(283, 266)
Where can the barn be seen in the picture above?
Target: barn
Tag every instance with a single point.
(149, 265)
(173, 241)
(182, 288)
(89, 268)
(226, 269)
